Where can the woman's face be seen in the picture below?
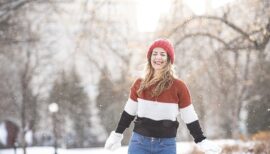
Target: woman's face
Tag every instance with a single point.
(159, 58)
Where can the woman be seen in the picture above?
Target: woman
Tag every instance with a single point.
(155, 101)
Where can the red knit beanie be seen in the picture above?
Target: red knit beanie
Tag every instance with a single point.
(164, 44)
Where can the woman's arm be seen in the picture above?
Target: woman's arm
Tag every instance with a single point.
(130, 111)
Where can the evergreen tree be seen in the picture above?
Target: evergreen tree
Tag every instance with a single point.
(111, 100)
(74, 113)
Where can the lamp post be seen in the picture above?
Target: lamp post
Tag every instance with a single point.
(53, 108)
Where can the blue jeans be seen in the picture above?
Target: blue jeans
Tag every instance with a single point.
(149, 145)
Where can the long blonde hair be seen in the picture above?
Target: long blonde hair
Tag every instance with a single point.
(164, 78)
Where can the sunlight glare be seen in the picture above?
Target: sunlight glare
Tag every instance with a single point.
(218, 3)
(199, 6)
(148, 13)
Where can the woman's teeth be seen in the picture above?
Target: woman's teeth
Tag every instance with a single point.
(158, 62)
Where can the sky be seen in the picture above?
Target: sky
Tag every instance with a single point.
(149, 11)
(199, 7)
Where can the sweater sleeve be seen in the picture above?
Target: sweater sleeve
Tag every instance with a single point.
(130, 110)
(188, 113)
(196, 131)
(124, 122)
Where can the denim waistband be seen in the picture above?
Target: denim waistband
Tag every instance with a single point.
(151, 138)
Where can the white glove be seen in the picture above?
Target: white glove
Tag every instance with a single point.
(209, 147)
(114, 141)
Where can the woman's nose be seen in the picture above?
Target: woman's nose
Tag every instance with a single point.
(158, 56)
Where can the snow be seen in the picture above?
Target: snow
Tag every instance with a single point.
(3, 134)
(123, 150)
(29, 137)
(182, 148)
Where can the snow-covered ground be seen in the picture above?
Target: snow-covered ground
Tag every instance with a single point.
(182, 148)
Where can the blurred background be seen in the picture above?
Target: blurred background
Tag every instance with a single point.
(67, 66)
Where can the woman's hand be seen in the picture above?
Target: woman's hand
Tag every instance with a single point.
(209, 147)
(114, 141)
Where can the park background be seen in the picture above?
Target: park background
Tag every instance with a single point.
(67, 66)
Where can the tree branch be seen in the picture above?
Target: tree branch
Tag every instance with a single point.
(226, 22)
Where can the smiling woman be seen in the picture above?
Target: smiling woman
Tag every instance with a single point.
(148, 13)
(154, 102)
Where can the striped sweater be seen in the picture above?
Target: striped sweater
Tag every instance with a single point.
(157, 116)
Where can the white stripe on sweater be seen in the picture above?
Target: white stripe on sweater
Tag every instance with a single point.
(160, 111)
(131, 107)
(188, 114)
(157, 110)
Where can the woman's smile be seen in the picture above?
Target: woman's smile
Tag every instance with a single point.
(159, 58)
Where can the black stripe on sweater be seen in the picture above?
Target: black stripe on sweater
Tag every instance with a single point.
(124, 122)
(152, 128)
(196, 131)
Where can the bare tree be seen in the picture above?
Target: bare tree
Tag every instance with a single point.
(20, 46)
(227, 60)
